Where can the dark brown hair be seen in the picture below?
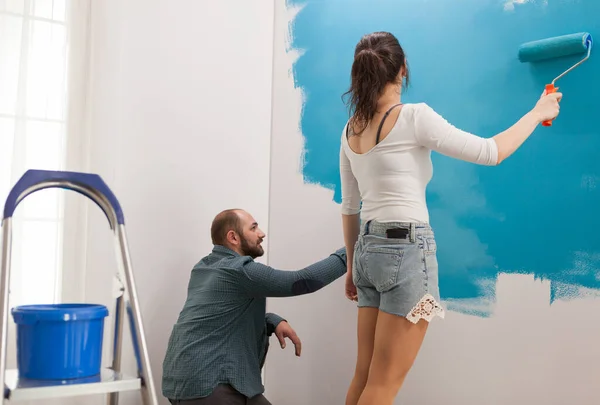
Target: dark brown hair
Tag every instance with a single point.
(225, 221)
(378, 59)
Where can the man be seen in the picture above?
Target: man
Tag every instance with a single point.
(218, 346)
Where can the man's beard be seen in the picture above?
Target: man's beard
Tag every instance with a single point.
(252, 251)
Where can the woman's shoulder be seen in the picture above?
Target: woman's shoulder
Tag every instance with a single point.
(417, 107)
(421, 111)
(345, 131)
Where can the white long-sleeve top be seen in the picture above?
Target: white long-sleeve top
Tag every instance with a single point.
(391, 178)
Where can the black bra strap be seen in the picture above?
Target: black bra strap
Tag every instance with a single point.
(380, 124)
(382, 120)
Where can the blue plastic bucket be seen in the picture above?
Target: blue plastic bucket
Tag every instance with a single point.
(59, 341)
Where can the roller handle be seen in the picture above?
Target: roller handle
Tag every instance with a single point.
(550, 88)
(40, 179)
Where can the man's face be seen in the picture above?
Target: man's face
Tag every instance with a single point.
(252, 236)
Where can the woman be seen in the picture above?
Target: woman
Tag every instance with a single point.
(385, 163)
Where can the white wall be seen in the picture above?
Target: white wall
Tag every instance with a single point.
(305, 227)
(180, 107)
(527, 352)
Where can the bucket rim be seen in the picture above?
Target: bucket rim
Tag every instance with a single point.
(24, 314)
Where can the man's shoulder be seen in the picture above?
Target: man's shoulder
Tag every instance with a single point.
(236, 262)
(212, 261)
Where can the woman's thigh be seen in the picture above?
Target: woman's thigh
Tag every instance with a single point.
(397, 343)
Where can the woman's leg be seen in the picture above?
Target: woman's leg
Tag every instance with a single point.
(367, 321)
(397, 343)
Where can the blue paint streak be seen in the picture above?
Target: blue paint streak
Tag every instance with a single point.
(539, 212)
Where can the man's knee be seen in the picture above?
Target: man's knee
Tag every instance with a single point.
(259, 400)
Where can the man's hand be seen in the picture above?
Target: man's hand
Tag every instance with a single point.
(284, 330)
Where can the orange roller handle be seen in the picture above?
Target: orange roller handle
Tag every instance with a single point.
(550, 88)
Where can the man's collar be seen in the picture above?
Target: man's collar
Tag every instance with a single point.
(224, 251)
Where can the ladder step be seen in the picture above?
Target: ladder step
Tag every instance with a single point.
(108, 381)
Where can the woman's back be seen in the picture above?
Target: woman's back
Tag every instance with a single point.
(390, 177)
(392, 174)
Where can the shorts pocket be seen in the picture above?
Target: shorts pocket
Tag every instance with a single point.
(430, 245)
(382, 265)
(430, 251)
(355, 269)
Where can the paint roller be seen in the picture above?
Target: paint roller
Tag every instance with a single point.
(556, 47)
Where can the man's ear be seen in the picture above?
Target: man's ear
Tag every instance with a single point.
(233, 238)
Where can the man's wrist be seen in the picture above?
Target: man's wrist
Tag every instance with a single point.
(341, 254)
(273, 320)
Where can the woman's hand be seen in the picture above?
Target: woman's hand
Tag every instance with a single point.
(351, 293)
(547, 107)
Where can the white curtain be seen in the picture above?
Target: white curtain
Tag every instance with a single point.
(43, 76)
(44, 88)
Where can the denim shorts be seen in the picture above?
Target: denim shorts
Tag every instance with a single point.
(398, 273)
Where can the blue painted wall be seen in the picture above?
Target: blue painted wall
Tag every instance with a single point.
(539, 212)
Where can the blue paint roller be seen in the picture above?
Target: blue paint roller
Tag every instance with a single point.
(556, 47)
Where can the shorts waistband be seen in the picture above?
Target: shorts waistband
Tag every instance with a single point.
(380, 228)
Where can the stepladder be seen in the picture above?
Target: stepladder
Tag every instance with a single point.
(111, 381)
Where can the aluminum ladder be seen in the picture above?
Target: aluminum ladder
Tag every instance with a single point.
(111, 381)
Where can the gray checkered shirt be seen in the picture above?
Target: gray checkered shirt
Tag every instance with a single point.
(222, 333)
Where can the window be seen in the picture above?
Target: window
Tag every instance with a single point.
(33, 104)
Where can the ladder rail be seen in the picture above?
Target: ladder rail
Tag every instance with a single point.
(4, 293)
(93, 187)
(113, 397)
(138, 333)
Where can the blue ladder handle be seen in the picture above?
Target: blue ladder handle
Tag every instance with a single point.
(85, 182)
